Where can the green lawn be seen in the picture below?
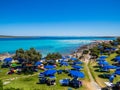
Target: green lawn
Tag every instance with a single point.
(29, 83)
(99, 80)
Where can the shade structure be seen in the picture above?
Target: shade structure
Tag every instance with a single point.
(107, 49)
(38, 63)
(117, 58)
(74, 58)
(49, 67)
(109, 67)
(79, 62)
(63, 57)
(77, 67)
(103, 57)
(50, 72)
(117, 71)
(114, 49)
(111, 78)
(64, 63)
(103, 63)
(7, 59)
(75, 73)
(67, 56)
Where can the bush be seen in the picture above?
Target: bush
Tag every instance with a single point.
(53, 56)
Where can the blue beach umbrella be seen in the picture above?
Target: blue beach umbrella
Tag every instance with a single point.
(79, 62)
(103, 57)
(38, 63)
(77, 74)
(67, 56)
(64, 63)
(107, 49)
(52, 77)
(50, 72)
(74, 59)
(63, 57)
(100, 59)
(111, 78)
(49, 67)
(109, 67)
(113, 49)
(117, 58)
(117, 72)
(77, 67)
(7, 59)
(103, 63)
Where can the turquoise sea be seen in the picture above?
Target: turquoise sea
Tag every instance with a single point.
(63, 45)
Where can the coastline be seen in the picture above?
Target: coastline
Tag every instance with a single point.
(78, 51)
(75, 53)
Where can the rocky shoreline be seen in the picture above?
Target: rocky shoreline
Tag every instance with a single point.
(79, 51)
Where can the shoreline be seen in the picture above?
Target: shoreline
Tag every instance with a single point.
(78, 50)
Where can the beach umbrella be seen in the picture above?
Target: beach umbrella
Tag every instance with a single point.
(103, 57)
(113, 49)
(38, 63)
(107, 49)
(103, 63)
(49, 67)
(109, 67)
(7, 59)
(67, 56)
(74, 59)
(63, 57)
(111, 78)
(50, 72)
(117, 58)
(75, 73)
(79, 62)
(52, 77)
(77, 67)
(100, 59)
(117, 72)
(64, 63)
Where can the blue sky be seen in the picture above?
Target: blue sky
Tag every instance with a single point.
(60, 17)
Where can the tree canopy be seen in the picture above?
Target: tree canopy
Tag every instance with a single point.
(53, 56)
(30, 55)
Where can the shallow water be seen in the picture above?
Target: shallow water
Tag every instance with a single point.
(63, 45)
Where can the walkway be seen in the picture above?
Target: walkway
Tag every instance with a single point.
(92, 81)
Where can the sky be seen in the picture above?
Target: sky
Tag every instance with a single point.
(60, 17)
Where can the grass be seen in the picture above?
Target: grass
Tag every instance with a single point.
(29, 83)
(99, 80)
